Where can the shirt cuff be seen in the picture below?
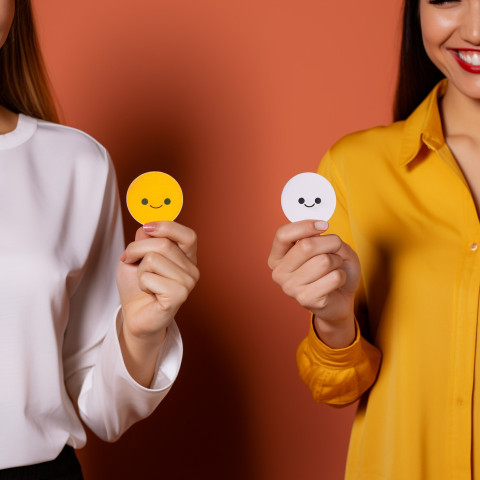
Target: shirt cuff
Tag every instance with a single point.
(168, 361)
(335, 357)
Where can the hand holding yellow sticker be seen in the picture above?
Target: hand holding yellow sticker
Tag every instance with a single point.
(153, 197)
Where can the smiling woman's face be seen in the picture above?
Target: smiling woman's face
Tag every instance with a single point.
(7, 11)
(451, 36)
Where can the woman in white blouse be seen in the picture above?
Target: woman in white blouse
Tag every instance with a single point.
(71, 345)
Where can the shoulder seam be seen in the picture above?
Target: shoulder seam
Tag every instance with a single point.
(73, 129)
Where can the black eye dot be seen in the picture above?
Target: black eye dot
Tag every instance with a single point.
(144, 201)
(167, 201)
(301, 200)
(318, 200)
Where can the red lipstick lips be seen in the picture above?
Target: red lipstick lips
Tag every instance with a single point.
(466, 66)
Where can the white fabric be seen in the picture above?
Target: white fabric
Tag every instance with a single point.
(60, 241)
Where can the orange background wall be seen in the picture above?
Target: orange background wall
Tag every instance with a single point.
(232, 98)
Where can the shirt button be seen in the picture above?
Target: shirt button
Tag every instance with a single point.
(460, 402)
(473, 247)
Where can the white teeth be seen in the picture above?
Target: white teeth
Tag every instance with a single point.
(472, 58)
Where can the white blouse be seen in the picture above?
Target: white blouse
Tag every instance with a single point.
(60, 241)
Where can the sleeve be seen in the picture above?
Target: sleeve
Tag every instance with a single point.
(109, 401)
(338, 376)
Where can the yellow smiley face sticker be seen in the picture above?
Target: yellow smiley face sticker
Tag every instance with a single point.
(154, 196)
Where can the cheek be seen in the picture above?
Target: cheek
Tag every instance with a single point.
(438, 25)
(7, 11)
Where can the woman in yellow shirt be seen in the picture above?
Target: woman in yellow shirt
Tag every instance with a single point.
(394, 287)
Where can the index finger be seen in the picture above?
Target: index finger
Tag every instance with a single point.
(289, 234)
(183, 236)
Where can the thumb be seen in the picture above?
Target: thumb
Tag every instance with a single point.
(141, 235)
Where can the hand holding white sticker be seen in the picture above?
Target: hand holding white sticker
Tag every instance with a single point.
(308, 196)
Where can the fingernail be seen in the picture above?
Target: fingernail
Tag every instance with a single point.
(149, 227)
(123, 257)
(321, 225)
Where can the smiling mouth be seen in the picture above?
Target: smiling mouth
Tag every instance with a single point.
(151, 206)
(468, 59)
(309, 206)
(472, 57)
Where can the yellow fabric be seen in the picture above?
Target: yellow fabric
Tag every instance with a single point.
(345, 373)
(406, 209)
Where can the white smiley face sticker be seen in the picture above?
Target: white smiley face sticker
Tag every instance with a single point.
(308, 196)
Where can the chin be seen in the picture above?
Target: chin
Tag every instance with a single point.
(470, 88)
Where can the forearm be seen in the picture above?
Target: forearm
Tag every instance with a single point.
(140, 355)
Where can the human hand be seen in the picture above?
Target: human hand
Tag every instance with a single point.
(320, 272)
(156, 274)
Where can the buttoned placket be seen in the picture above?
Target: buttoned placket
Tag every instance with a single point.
(465, 328)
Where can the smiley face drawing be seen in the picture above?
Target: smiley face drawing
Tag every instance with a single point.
(308, 196)
(154, 196)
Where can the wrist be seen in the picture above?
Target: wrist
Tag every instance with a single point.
(338, 334)
(137, 329)
(143, 340)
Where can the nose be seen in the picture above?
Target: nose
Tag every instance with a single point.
(470, 30)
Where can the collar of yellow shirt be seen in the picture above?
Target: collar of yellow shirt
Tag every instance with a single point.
(423, 126)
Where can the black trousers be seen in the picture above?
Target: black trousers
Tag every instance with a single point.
(64, 467)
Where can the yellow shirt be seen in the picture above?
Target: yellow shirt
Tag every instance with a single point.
(406, 209)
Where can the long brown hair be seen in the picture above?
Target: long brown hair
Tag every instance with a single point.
(24, 85)
(417, 74)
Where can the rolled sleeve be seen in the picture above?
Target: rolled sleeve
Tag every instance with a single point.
(337, 376)
(110, 385)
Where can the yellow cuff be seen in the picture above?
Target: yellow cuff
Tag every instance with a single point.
(335, 357)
